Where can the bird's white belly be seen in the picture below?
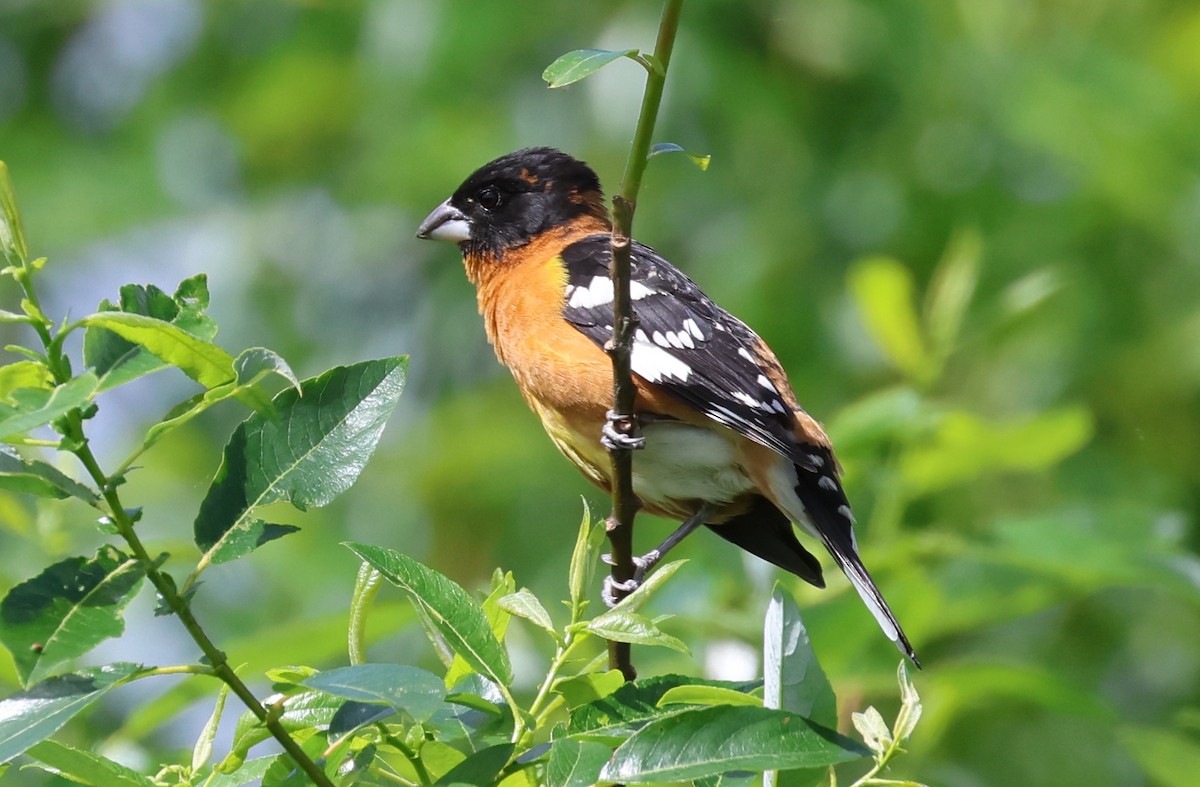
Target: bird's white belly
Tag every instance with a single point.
(682, 462)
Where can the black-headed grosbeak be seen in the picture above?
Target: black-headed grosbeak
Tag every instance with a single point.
(726, 443)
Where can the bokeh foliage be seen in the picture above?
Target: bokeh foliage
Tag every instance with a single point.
(971, 231)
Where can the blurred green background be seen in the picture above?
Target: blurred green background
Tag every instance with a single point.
(971, 231)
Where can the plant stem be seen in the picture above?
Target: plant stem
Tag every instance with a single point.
(625, 502)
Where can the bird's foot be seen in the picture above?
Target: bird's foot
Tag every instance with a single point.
(614, 590)
(619, 431)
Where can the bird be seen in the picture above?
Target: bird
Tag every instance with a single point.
(726, 443)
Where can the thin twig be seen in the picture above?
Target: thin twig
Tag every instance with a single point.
(625, 502)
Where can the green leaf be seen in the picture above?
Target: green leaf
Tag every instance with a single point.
(620, 713)
(38, 478)
(35, 408)
(24, 374)
(67, 610)
(966, 447)
(708, 695)
(525, 605)
(583, 558)
(256, 363)
(793, 679)
(711, 741)
(575, 763)
(482, 767)
(200, 359)
(415, 691)
(884, 292)
(202, 751)
(638, 598)
(910, 706)
(448, 607)
(620, 626)
(498, 618)
(873, 729)
(1165, 755)
(589, 687)
(951, 289)
(670, 147)
(581, 63)
(250, 771)
(12, 236)
(85, 767)
(302, 713)
(311, 451)
(35, 714)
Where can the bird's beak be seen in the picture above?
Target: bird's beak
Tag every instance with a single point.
(447, 223)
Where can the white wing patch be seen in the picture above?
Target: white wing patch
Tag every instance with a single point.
(599, 291)
(655, 363)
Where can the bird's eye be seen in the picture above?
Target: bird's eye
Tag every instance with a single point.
(488, 198)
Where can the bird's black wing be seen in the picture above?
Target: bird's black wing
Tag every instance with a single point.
(685, 343)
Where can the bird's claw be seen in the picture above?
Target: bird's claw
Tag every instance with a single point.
(617, 433)
(613, 587)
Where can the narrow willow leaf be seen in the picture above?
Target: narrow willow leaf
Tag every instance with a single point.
(710, 741)
(301, 712)
(659, 148)
(951, 289)
(620, 626)
(415, 691)
(202, 751)
(581, 63)
(200, 359)
(67, 610)
(589, 687)
(525, 605)
(35, 714)
(708, 695)
(38, 478)
(36, 408)
(12, 236)
(312, 451)
(583, 558)
(85, 767)
(575, 763)
(884, 293)
(449, 608)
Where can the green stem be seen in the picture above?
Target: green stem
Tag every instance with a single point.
(625, 502)
(413, 758)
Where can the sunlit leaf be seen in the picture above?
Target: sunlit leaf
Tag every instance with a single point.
(885, 296)
(310, 452)
(707, 695)
(198, 358)
(525, 605)
(67, 610)
(202, 751)
(650, 585)
(616, 715)
(574, 66)
(482, 767)
(24, 374)
(33, 715)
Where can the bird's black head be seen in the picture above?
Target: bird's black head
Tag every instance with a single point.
(515, 198)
